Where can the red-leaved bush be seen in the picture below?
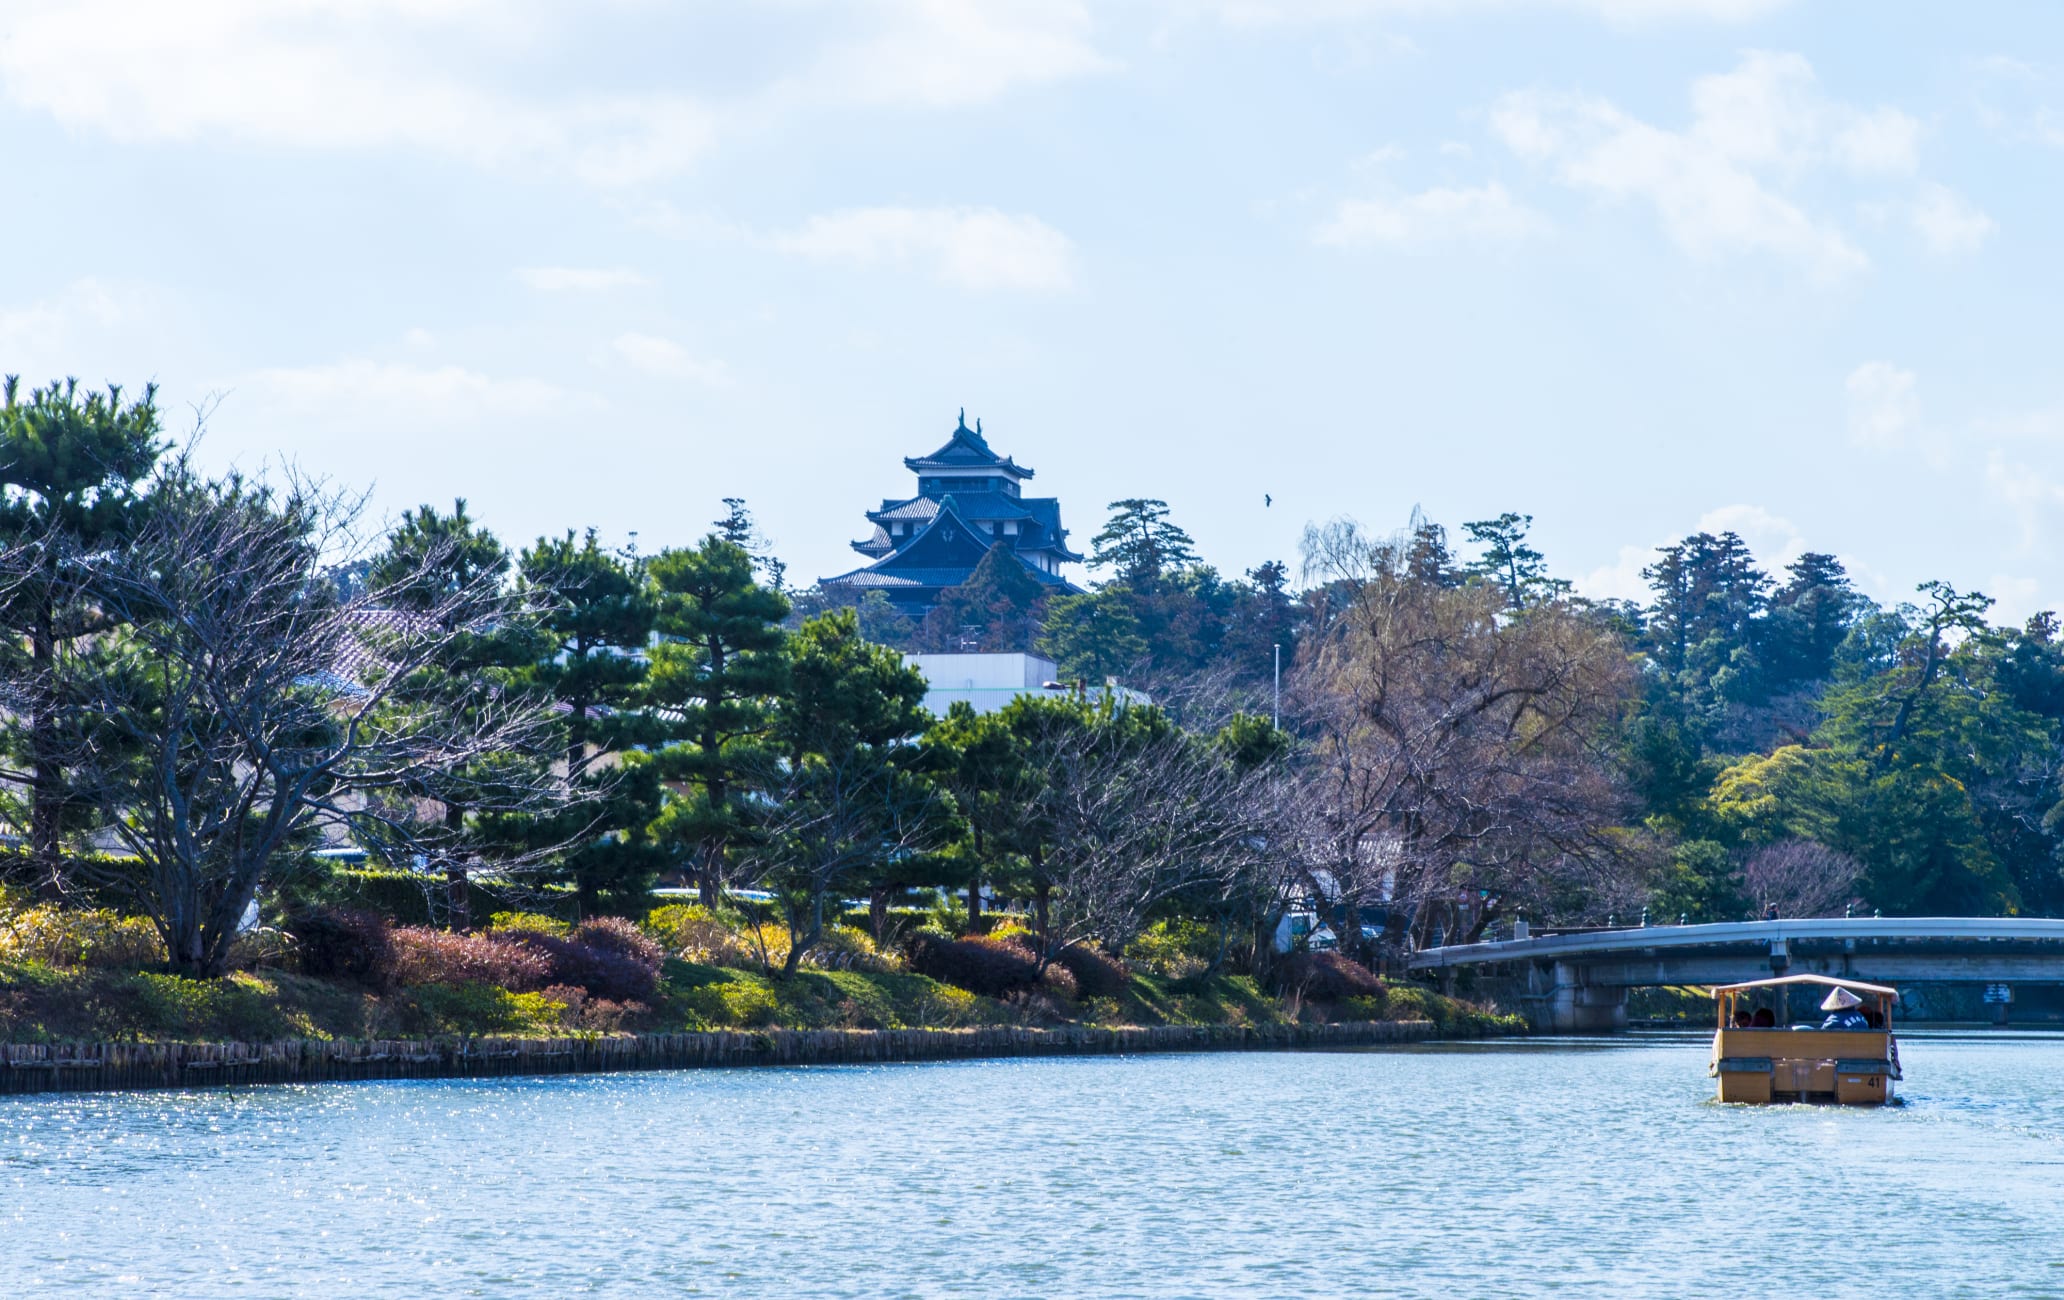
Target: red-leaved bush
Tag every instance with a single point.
(1096, 973)
(603, 972)
(615, 934)
(426, 956)
(986, 966)
(339, 943)
(1326, 977)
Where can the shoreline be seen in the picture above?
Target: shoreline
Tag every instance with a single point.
(27, 1068)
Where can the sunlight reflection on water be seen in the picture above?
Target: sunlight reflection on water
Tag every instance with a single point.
(1501, 1169)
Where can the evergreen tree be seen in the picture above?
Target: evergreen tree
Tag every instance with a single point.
(1140, 543)
(597, 619)
(448, 567)
(70, 466)
(1094, 635)
(850, 808)
(717, 666)
(1000, 600)
(1809, 618)
(1509, 561)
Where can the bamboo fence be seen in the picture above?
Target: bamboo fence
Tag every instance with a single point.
(99, 1066)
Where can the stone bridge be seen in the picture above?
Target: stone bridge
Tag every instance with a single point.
(1577, 982)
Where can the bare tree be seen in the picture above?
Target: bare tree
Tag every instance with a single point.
(1130, 813)
(250, 702)
(1457, 765)
(1801, 878)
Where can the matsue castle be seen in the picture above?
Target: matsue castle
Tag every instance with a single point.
(969, 500)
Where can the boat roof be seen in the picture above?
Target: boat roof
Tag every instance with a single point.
(1827, 981)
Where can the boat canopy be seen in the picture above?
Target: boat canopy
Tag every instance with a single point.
(1826, 981)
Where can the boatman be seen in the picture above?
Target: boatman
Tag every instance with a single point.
(1843, 1014)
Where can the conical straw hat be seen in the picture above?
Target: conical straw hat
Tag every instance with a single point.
(1841, 1000)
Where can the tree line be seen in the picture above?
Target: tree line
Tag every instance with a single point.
(213, 681)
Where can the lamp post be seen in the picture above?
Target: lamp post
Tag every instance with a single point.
(1276, 717)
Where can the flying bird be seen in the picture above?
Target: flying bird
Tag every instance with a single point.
(1267, 500)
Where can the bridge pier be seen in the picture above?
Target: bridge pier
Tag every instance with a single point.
(1574, 1005)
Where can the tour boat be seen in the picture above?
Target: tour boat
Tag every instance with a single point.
(1759, 1057)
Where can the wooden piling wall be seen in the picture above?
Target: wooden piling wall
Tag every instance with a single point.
(88, 1067)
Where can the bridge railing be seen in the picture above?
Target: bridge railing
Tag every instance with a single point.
(1548, 947)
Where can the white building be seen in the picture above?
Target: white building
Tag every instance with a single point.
(990, 681)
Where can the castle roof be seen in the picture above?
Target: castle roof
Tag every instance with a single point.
(966, 449)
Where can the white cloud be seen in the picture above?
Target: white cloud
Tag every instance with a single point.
(664, 357)
(364, 392)
(327, 74)
(2014, 598)
(1774, 540)
(49, 338)
(1486, 212)
(975, 248)
(1949, 223)
(2031, 495)
(1884, 406)
(554, 279)
(1259, 12)
(1718, 184)
(950, 53)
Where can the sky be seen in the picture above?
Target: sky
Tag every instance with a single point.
(1633, 267)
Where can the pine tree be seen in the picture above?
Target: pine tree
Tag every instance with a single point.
(715, 670)
(70, 466)
(450, 567)
(1510, 562)
(1140, 543)
(1001, 600)
(597, 617)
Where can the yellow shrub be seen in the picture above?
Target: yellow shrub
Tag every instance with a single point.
(57, 936)
(694, 933)
(847, 947)
(529, 923)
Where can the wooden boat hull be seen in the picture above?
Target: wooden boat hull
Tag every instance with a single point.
(1850, 1067)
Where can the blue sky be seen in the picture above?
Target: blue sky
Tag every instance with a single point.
(1631, 266)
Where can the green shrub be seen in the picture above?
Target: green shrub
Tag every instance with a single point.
(485, 1009)
(237, 1007)
(1174, 949)
(737, 1003)
(58, 936)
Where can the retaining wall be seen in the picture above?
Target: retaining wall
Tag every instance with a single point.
(84, 1067)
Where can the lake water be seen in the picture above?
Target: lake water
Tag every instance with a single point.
(1498, 1169)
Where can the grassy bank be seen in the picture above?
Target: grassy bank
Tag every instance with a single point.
(82, 975)
(42, 1003)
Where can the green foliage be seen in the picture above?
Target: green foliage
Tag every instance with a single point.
(70, 466)
(1510, 563)
(1141, 544)
(596, 616)
(718, 664)
(1000, 600)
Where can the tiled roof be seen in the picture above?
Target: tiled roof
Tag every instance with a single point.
(966, 447)
(876, 576)
(971, 505)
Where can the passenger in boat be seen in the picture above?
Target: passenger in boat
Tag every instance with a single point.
(1765, 1018)
(1743, 1020)
(1841, 1006)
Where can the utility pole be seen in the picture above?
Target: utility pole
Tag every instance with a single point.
(1276, 718)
